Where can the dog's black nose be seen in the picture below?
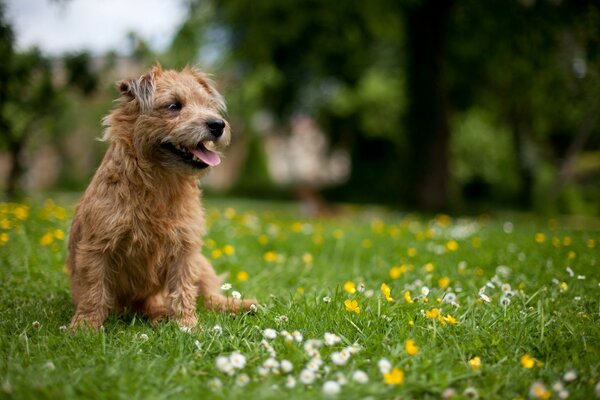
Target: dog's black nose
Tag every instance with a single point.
(216, 126)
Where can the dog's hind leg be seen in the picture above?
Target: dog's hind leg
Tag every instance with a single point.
(209, 287)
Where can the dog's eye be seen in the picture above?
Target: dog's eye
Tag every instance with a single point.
(176, 106)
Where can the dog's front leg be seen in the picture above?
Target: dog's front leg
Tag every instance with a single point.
(183, 291)
(90, 291)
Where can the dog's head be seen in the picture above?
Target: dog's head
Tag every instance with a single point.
(177, 119)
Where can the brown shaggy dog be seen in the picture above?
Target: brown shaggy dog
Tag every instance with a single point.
(137, 232)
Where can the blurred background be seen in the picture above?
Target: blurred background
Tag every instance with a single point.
(462, 105)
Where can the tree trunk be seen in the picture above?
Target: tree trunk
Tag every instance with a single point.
(427, 119)
(16, 169)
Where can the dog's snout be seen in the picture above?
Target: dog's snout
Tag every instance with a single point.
(216, 126)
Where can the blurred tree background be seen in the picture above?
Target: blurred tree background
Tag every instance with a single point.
(452, 104)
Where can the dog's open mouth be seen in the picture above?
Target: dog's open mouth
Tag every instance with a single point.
(198, 157)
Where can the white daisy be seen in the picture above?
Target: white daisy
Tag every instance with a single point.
(270, 333)
(224, 365)
(384, 366)
(340, 357)
(290, 382)
(360, 377)
(331, 339)
(286, 366)
(331, 388)
(307, 376)
(225, 287)
(236, 295)
(237, 360)
(242, 380)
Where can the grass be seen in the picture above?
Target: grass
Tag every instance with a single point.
(547, 333)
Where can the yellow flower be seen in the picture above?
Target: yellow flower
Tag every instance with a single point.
(564, 286)
(229, 213)
(433, 313)
(411, 252)
(450, 319)
(228, 249)
(300, 290)
(567, 241)
(59, 234)
(307, 258)
(396, 272)
(270, 256)
(452, 245)
(47, 239)
(5, 224)
(297, 227)
(591, 243)
(338, 234)
(571, 255)
(428, 267)
(394, 377)
(4, 238)
(410, 347)
(377, 226)
(216, 254)
(538, 391)
(540, 237)
(367, 243)
(407, 297)
(527, 361)
(476, 242)
(443, 220)
(475, 363)
(350, 287)
(387, 292)
(242, 276)
(21, 212)
(352, 306)
(444, 282)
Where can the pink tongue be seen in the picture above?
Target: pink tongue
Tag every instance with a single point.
(208, 157)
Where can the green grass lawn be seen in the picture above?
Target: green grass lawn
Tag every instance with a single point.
(485, 307)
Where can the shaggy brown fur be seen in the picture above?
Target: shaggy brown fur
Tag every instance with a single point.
(137, 232)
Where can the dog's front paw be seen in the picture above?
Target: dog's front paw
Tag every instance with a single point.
(186, 322)
(90, 322)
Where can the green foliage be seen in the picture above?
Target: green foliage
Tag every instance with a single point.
(290, 264)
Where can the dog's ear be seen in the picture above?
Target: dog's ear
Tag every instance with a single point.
(208, 85)
(141, 89)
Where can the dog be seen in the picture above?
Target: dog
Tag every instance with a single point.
(136, 236)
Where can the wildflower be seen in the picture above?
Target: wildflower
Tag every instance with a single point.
(281, 319)
(307, 258)
(327, 299)
(307, 376)
(449, 319)
(47, 239)
(396, 272)
(216, 254)
(353, 349)
(271, 364)
(237, 360)
(570, 272)
(314, 364)
(331, 388)
(360, 377)
(350, 287)
(242, 380)
(50, 366)
(449, 297)
(407, 297)
(215, 384)
(444, 282)
(411, 348)
(4, 237)
(286, 366)
(270, 256)
(505, 301)
(242, 276)
(236, 295)
(452, 245)
(340, 357)
(387, 292)
(143, 336)
(394, 377)
(564, 286)
(475, 363)
(217, 330)
(297, 336)
(384, 366)
(287, 336)
(411, 252)
(485, 297)
(352, 306)
(540, 237)
(433, 313)
(570, 375)
(597, 389)
(361, 288)
(270, 333)
(331, 339)
(225, 287)
(527, 361)
(471, 393)
(253, 308)
(591, 243)
(311, 347)
(538, 391)
(290, 382)
(224, 365)
(448, 393)
(263, 239)
(198, 345)
(59, 234)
